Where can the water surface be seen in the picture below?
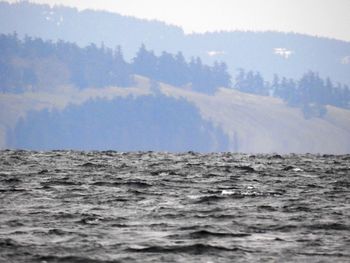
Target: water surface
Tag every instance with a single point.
(70, 206)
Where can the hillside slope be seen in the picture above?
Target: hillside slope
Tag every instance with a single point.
(259, 124)
(250, 123)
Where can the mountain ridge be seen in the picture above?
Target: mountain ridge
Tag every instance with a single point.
(168, 24)
(249, 50)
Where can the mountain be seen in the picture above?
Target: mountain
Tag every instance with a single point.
(167, 118)
(286, 54)
(60, 96)
(145, 89)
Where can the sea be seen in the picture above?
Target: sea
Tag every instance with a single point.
(108, 206)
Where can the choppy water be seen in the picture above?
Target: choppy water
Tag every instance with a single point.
(66, 206)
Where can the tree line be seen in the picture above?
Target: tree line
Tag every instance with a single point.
(309, 90)
(32, 64)
(177, 71)
(24, 62)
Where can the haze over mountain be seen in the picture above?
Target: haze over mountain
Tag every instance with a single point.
(286, 54)
(328, 18)
(104, 89)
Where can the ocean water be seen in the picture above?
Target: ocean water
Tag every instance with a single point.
(70, 206)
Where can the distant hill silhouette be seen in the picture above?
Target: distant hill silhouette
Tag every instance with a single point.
(286, 54)
(36, 65)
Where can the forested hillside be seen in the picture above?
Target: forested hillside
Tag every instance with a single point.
(95, 80)
(310, 93)
(32, 64)
(156, 116)
(284, 54)
(128, 124)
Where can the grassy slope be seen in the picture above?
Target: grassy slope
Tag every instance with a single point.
(254, 123)
(264, 124)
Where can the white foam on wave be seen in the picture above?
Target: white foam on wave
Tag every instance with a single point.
(228, 192)
(297, 169)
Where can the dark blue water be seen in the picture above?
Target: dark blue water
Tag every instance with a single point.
(66, 206)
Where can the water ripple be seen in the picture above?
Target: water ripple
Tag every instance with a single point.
(71, 206)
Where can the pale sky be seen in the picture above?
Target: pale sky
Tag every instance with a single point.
(329, 18)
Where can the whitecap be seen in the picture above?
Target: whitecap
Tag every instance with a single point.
(228, 192)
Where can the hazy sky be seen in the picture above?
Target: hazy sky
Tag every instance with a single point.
(330, 18)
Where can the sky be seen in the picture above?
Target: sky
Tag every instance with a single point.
(327, 18)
